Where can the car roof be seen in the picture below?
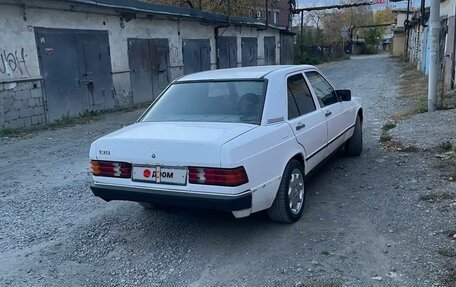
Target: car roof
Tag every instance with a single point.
(257, 72)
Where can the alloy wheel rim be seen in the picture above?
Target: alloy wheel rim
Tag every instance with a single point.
(296, 191)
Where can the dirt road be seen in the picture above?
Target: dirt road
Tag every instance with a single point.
(364, 223)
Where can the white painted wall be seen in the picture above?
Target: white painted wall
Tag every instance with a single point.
(447, 8)
(401, 17)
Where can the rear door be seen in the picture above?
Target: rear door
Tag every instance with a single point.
(332, 109)
(307, 121)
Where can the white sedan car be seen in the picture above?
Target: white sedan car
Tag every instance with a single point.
(240, 140)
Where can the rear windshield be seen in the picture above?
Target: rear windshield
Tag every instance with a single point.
(212, 101)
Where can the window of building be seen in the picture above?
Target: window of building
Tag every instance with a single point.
(276, 17)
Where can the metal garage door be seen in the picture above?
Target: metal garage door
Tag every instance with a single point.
(249, 51)
(149, 67)
(227, 52)
(286, 48)
(76, 70)
(197, 55)
(269, 51)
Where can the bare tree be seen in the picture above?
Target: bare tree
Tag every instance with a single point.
(228, 7)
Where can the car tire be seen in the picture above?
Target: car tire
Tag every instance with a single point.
(285, 208)
(354, 146)
(149, 206)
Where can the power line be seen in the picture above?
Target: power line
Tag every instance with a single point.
(338, 6)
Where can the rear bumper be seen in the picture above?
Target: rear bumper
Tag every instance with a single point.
(199, 200)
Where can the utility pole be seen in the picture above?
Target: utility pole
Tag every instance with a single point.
(229, 8)
(407, 30)
(302, 33)
(434, 67)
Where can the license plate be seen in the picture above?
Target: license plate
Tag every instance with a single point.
(160, 174)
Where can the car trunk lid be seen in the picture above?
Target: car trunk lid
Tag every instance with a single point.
(168, 143)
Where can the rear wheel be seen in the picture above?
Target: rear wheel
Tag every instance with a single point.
(289, 202)
(354, 146)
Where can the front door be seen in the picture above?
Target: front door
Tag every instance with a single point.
(308, 122)
(335, 113)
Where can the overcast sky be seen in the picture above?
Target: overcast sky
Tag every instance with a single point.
(402, 4)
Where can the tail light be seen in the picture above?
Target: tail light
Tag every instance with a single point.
(111, 169)
(217, 176)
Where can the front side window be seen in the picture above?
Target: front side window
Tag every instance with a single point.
(234, 101)
(325, 93)
(300, 96)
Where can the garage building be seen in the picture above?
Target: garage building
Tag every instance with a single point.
(62, 59)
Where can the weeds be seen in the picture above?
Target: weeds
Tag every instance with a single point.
(438, 196)
(319, 284)
(385, 137)
(388, 126)
(447, 252)
(446, 146)
(419, 107)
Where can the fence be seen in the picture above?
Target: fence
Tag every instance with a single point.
(318, 54)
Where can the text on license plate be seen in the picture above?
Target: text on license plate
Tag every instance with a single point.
(160, 174)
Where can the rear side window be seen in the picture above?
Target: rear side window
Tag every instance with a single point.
(325, 93)
(300, 100)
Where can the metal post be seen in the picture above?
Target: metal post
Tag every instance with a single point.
(229, 7)
(302, 33)
(407, 30)
(434, 66)
(422, 10)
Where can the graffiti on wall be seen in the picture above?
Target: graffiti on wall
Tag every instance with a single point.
(13, 64)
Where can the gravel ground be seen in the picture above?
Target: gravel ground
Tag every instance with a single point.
(369, 221)
(427, 131)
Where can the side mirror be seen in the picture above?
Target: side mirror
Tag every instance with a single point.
(344, 95)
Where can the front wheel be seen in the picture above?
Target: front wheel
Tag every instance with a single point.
(289, 202)
(354, 146)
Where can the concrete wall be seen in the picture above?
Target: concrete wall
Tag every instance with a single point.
(398, 44)
(400, 19)
(19, 66)
(419, 46)
(447, 8)
(449, 59)
(21, 104)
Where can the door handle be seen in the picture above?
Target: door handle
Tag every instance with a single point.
(328, 113)
(300, 126)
